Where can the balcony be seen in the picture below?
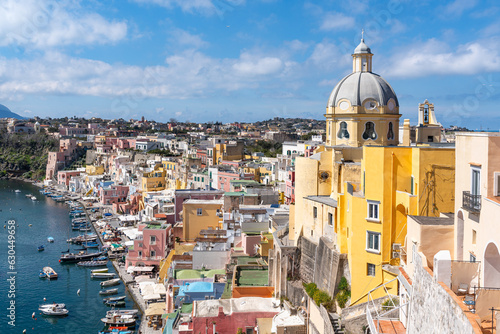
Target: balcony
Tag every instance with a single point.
(471, 203)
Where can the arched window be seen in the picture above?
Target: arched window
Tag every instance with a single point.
(369, 131)
(390, 133)
(343, 133)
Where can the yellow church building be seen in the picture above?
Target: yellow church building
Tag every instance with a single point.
(357, 190)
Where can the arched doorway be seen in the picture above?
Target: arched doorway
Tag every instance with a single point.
(491, 266)
(460, 236)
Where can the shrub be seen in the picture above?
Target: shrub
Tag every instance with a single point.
(321, 297)
(343, 285)
(390, 303)
(310, 288)
(344, 292)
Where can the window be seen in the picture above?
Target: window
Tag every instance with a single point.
(411, 185)
(199, 212)
(476, 181)
(152, 253)
(330, 219)
(474, 235)
(370, 269)
(390, 132)
(152, 240)
(373, 210)
(373, 241)
(369, 131)
(430, 139)
(472, 257)
(139, 254)
(426, 114)
(496, 184)
(343, 133)
(315, 212)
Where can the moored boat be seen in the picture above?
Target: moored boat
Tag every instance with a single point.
(132, 312)
(57, 305)
(56, 312)
(102, 275)
(103, 270)
(50, 239)
(74, 258)
(49, 273)
(41, 248)
(120, 320)
(92, 264)
(113, 299)
(116, 303)
(111, 282)
(108, 292)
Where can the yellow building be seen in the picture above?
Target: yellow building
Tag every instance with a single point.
(199, 215)
(94, 170)
(354, 194)
(155, 180)
(172, 175)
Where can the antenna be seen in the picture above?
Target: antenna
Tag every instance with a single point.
(362, 33)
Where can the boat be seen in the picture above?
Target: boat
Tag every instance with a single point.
(41, 248)
(17, 191)
(111, 282)
(132, 312)
(117, 303)
(43, 306)
(50, 239)
(33, 198)
(49, 273)
(102, 275)
(82, 239)
(91, 244)
(120, 320)
(74, 258)
(28, 195)
(103, 270)
(92, 264)
(113, 299)
(101, 258)
(85, 229)
(116, 330)
(54, 311)
(108, 292)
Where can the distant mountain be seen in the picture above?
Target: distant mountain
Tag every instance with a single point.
(6, 113)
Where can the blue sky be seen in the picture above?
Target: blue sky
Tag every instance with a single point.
(244, 60)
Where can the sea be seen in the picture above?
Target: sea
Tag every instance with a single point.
(21, 288)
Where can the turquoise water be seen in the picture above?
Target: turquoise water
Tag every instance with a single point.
(48, 218)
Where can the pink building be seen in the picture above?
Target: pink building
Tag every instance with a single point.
(58, 160)
(290, 187)
(153, 246)
(125, 143)
(248, 242)
(113, 194)
(225, 178)
(229, 315)
(64, 176)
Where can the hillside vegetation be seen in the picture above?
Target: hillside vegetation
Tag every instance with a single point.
(25, 155)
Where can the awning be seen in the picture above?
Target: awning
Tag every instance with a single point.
(152, 296)
(155, 309)
(132, 269)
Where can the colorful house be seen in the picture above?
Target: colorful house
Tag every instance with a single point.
(153, 246)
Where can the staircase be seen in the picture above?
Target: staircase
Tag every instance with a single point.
(337, 327)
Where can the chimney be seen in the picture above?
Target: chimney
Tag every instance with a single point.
(406, 132)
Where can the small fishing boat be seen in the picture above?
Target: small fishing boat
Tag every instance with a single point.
(92, 263)
(50, 239)
(17, 191)
(111, 313)
(117, 303)
(113, 299)
(101, 258)
(108, 292)
(33, 198)
(111, 282)
(28, 195)
(91, 245)
(102, 275)
(116, 330)
(120, 320)
(43, 306)
(41, 248)
(103, 270)
(55, 312)
(49, 273)
(85, 229)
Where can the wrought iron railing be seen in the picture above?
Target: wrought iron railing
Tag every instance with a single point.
(471, 202)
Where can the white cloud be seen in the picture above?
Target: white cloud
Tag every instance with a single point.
(47, 23)
(337, 21)
(457, 7)
(183, 38)
(436, 57)
(208, 7)
(249, 65)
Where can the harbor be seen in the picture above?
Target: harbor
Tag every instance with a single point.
(72, 285)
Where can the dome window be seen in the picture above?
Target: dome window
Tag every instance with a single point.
(370, 105)
(390, 133)
(369, 131)
(343, 133)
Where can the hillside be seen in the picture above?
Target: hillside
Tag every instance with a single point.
(25, 155)
(6, 113)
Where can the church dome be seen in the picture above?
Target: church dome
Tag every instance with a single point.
(357, 87)
(362, 48)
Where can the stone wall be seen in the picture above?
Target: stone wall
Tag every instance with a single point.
(295, 292)
(307, 259)
(327, 264)
(432, 308)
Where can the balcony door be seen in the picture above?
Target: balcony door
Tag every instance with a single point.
(476, 181)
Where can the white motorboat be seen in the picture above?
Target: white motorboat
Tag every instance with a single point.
(45, 306)
(54, 311)
(111, 282)
(33, 198)
(111, 313)
(103, 270)
(102, 275)
(119, 320)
